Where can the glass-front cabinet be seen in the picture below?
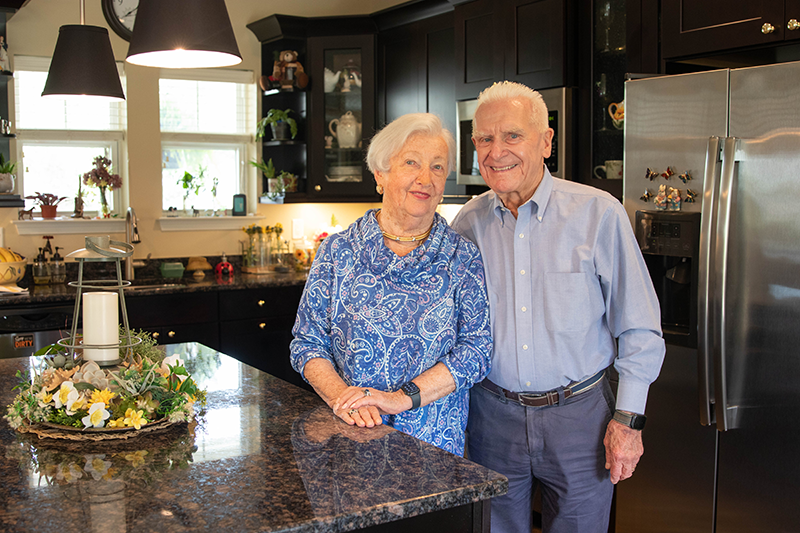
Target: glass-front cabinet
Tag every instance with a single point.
(341, 117)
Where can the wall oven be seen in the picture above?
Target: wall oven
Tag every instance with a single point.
(559, 103)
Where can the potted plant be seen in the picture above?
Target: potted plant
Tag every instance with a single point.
(276, 186)
(6, 175)
(279, 121)
(190, 184)
(48, 202)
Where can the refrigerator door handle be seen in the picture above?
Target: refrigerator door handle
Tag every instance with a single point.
(705, 345)
(726, 416)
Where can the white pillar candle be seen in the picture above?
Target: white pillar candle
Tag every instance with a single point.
(101, 325)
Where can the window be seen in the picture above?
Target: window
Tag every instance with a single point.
(206, 118)
(58, 139)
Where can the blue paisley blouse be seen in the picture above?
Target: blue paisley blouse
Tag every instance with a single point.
(382, 320)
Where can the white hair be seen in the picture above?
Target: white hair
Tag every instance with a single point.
(510, 90)
(391, 139)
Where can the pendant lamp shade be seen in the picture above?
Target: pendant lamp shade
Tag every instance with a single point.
(183, 34)
(83, 64)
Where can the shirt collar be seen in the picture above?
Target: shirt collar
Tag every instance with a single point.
(539, 199)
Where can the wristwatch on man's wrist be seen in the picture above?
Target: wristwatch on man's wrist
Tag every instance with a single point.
(632, 420)
(412, 391)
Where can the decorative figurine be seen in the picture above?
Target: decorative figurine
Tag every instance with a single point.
(690, 196)
(5, 66)
(674, 200)
(667, 174)
(650, 174)
(289, 72)
(661, 198)
(646, 196)
(23, 214)
(686, 176)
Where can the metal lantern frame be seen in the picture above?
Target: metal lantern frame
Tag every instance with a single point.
(75, 341)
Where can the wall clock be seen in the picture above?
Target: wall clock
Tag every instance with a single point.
(120, 15)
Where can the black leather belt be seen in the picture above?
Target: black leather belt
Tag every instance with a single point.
(547, 398)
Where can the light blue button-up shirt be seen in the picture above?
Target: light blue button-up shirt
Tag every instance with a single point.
(565, 279)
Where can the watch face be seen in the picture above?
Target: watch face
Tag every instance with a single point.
(121, 14)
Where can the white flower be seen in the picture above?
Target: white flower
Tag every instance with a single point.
(96, 466)
(63, 394)
(172, 360)
(97, 416)
(43, 397)
(69, 473)
(75, 402)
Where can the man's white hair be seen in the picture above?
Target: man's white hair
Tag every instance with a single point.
(510, 90)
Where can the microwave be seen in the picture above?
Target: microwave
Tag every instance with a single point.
(559, 103)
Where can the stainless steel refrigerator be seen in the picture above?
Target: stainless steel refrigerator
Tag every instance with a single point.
(722, 442)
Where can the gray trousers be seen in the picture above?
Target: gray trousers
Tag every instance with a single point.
(559, 447)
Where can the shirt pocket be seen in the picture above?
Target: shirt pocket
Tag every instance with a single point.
(568, 302)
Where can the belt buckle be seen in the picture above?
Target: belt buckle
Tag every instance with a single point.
(552, 397)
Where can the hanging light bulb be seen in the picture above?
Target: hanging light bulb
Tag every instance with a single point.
(83, 64)
(183, 34)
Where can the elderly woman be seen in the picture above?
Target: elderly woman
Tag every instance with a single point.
(393, 326)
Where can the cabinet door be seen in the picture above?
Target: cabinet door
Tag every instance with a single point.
(205, 333)
(534, 42)
(341, 117)
(792, 19)
(479, 54)
(690, 27)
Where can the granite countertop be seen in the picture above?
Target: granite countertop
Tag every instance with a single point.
(265, 456)
(43, 294)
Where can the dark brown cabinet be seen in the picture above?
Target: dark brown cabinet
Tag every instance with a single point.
(528, 41)
(256, 328)
(695, 27)
(173, 318)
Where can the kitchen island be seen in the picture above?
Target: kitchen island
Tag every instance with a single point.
(264, 456)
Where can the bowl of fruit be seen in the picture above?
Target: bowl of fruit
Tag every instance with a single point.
(12, 266)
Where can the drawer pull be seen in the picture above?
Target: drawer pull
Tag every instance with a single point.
(262, 325)
(171, 334)
(155, 335)
(261, 303)
(767, 28)
(793, 25)
(317, 188)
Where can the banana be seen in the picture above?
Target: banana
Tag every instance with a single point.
(6, 256)
(16, 255)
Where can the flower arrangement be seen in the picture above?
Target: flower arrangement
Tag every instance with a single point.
(145, 389)
(102, 178)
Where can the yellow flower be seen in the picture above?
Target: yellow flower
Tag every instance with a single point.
(134, 418)
(136, 458)
(43, 397)
(118, 423)
(102, 396)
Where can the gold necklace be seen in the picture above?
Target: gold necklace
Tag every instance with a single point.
(398, 238)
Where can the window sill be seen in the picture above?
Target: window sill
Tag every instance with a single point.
(206, 223)
(70, 226)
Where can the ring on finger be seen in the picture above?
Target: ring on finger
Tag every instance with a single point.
(367, 392)
(351, 412)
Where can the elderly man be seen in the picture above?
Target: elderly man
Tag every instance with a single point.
(569, 296)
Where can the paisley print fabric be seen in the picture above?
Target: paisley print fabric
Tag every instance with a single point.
(382, 320)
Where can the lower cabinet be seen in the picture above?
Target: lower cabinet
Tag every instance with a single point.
(179, 317)
(256, 328)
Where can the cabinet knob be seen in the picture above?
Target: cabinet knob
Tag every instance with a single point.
(317, 188)
(262, 325)
(793, 25)
(171, 334)
(261, 303)
(767, 28)
(155, 334)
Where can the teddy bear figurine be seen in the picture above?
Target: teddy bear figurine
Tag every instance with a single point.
(288, 72)
(674, 200)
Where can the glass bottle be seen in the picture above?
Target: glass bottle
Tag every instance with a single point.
(41, 270)
(58, 270)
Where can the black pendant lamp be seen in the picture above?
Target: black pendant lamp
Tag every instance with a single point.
(183, 34)
(83, 64)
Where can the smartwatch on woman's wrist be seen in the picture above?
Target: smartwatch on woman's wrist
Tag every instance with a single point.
(412, 391)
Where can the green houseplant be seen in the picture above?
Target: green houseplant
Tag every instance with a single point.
(191, 184)
(6, 174)
(276, 186)
(278, 120)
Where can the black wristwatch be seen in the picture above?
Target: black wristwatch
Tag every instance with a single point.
(633, 420)
(412, 391)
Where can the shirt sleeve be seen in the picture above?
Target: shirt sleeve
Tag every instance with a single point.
(470, 359)
(312, 327)
(633, 313)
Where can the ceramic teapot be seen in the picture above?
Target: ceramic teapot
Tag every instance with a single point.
(331, 79)
(348, 130)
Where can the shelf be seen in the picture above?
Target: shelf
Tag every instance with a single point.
(11, 200)
(205, 223)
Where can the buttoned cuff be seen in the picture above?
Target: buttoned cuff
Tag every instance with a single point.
(632, 396)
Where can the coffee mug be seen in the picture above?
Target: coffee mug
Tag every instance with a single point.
(612, 170)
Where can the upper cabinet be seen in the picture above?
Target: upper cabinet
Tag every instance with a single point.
(694, 27)
(518, 40)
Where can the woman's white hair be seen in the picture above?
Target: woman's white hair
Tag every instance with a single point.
(391, 139)
(510, 90)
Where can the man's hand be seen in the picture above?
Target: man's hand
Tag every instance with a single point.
(623, 449)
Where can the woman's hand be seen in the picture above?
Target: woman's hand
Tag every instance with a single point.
(386, 403)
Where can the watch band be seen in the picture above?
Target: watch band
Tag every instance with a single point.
(412, 391)
(633, 421)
